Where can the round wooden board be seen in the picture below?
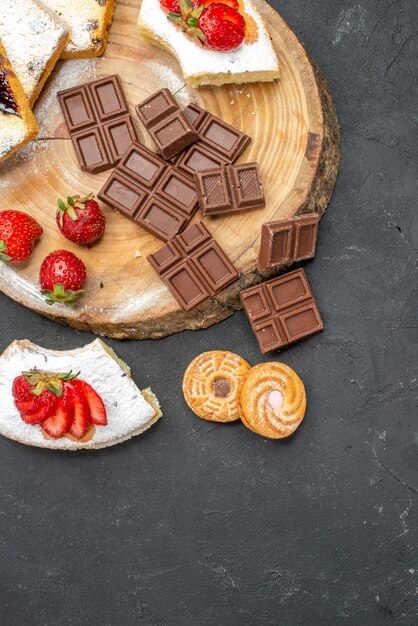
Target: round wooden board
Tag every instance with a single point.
(295, 135)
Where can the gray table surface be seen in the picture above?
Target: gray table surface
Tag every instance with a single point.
(198, 523)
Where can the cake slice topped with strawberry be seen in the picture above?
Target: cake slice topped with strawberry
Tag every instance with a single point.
(215, 42)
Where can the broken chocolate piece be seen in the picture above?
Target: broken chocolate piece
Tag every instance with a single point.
(166, 123)
(282, 311)
(193, 266)
(99, 122)
(218, 144)
(230, 189)
(288, 241)
(151, 192)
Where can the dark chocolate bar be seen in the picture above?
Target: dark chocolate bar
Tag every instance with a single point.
(151, 192)
(99, 123)
(282, 311)
(193, 266)
(287, 241)
(166, 123)
(219, 143)
(230, 189)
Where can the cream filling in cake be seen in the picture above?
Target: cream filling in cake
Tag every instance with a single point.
(33, 39)
(88, 22)
(128, 412)
(247, 63)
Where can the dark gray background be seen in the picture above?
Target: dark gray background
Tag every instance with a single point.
(198, 523)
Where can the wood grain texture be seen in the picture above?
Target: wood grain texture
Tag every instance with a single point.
(295, 140)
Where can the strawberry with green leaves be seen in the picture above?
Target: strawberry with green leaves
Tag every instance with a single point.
(217, 25)
(62, 277)
(18, 233)
(60, 403)
(80, 220)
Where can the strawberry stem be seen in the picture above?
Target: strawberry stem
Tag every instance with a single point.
(52, 381)
(59, 294)
(3, 248)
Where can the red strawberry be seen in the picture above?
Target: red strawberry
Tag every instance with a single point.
(233, 4)
(80, 220)
(36, 394)
(94, 401)
(59, 422)
(18, 233)
(222, 26)
(76, 405)
(171, 5)
(62, 277)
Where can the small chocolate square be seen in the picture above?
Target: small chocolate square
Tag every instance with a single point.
(286, 241)
(157, 107)
(91, 150)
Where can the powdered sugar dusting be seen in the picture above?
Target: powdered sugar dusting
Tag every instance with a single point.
(196, 60)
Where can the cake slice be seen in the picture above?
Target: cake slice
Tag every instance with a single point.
(34, 40)
(88, 22)
(253, 60)
(17, 122)
(127, 410)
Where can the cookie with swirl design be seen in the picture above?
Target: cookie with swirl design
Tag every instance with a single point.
(272, 402)
(212, 385)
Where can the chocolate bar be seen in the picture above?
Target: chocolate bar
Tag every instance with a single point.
(151, 192)
(193, 266)
(230, 189)
(166, 123)
(288, 241)
(99, 123)
(282, 311)
(219, 143)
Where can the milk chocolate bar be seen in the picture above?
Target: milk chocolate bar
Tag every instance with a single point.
(219, 143)
(193, 266)
(166, 123)
(282, 311)
(99, 123)
(152, 192)
(230, 189)
(287, 241)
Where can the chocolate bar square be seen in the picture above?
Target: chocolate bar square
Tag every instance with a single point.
(99, 122)
(193, 266)
(166, 123)
(282, 311)
(151, 192)
(230, 189)
(287, 241)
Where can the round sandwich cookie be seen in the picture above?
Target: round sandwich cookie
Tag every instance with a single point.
(272, 400)
(212, 384)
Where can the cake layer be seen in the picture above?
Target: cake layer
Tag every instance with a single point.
(34, 40)
(254, 60)
(88, 22)
(17, 122)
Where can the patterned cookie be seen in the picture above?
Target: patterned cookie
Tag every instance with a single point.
(34, 39)
(272, 400)
(17, 123)
(88, 22)
(212, 384)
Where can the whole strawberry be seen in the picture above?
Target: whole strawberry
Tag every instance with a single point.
(80, 220)
(18, 233)
(62, 277)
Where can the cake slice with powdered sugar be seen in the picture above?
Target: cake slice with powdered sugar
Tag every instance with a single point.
(34, 40)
